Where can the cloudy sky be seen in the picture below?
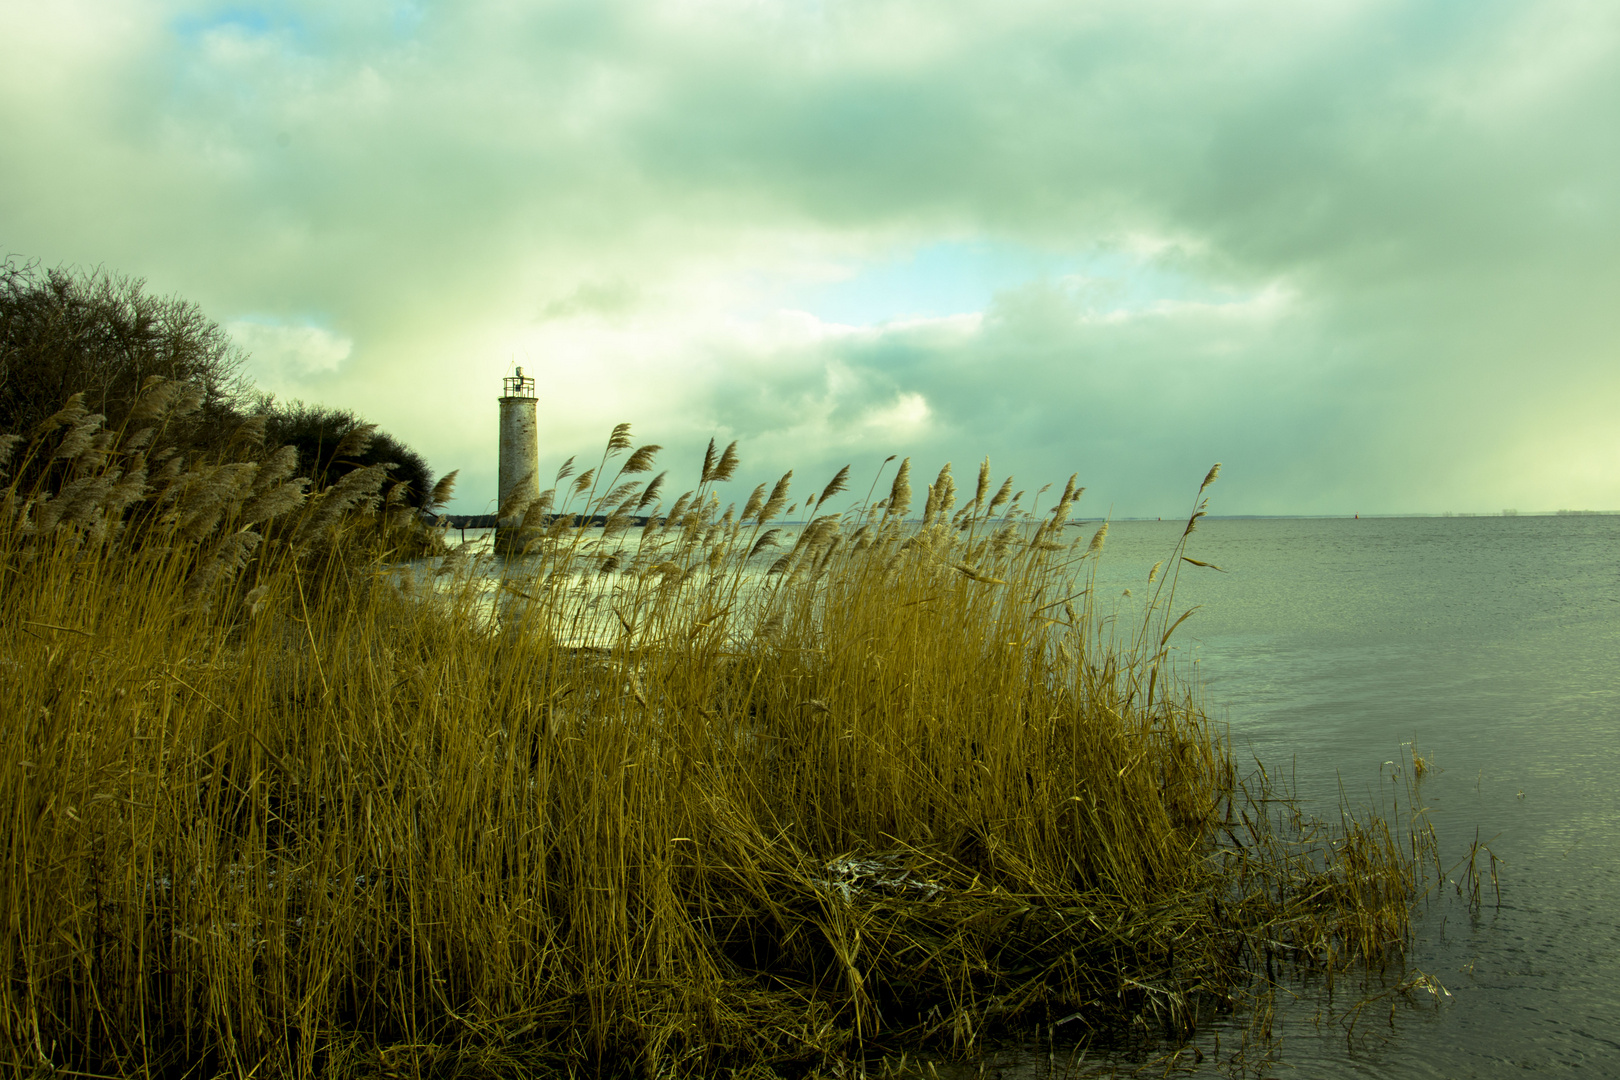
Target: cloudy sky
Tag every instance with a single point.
(1365, 253)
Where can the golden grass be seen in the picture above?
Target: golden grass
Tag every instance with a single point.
(1421, 765)
(688, 797)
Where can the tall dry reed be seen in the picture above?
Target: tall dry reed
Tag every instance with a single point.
(693, 792)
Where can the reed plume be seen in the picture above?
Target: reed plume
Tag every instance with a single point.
(755, 503)
(642, 460)
(1003, 493)
(654, 487)
(839, 483)
(443, 490)
(728, 463)
(900, 493)
(8, 444)
(354, 442)
(779, 497)
(157, 399)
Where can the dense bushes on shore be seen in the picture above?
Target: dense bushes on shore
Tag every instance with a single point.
(106, 338)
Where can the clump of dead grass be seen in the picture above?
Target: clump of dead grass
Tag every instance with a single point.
(694, 792)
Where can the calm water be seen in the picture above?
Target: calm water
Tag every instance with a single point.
(1495, 643)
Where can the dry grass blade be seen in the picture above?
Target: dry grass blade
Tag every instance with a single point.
(979, 576)
(1421, 766)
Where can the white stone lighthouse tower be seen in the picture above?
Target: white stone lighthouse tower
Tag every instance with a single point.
(520, 456)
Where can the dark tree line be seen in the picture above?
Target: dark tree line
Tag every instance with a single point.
(63, 332)
(327, 448)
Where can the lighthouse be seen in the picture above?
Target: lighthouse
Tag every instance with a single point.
(520, 458)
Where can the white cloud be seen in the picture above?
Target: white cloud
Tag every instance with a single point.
(289, 358)
(1342, 245)
(906, 418)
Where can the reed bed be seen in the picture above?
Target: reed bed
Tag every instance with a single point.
(698, 796)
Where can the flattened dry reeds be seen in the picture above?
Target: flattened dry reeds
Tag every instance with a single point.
(282, 808)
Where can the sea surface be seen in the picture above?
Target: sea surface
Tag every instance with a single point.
(1330, 647)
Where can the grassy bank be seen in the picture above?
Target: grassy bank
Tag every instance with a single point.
(887, 780)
